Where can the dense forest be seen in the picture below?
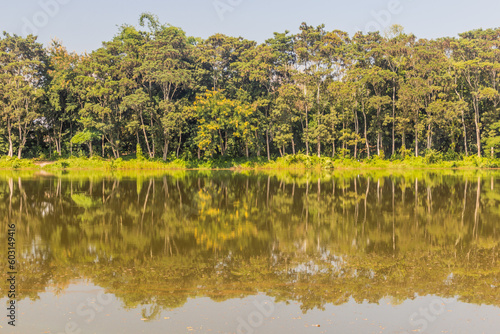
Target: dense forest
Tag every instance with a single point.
(318, 92)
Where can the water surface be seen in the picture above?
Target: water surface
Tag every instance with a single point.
(224, 252)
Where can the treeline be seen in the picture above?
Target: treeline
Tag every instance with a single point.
(318, 92)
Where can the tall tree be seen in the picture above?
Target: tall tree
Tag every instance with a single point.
(22, 77)
(167, 64)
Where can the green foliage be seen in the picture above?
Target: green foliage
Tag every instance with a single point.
(451, 154)
(84, 137)
(381, 155)
(302, 161)
(15, 163)
(433, 157)
(138, 152)
(405, 153)
(223, 98)
(492, 140)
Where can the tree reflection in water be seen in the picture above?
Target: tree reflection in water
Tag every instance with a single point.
(159, 239)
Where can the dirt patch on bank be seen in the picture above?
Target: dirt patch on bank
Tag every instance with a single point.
(43, 163)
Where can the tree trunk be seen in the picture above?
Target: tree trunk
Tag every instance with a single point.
(267, 144)
(117, 152)
(378, 132)
(91, 150)
(307, 133)
(221, 141)
(258, 144)
(226, 142)
(59, 146)
(267, 135)
(465, 135)
(343, 138)
(478, 130)
(366, 133)
(393, 115)
(71, 135)
(114, 152)
(429, 137)
(179, 146)
(403, 139)
(356, 126)
(416, 137)
(153, 150)
(22, 139)
(11, 146)
(318, 121)
(145, 135)
(307, 122)
(165, 149)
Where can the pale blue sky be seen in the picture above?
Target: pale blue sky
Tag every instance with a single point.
(83, 25)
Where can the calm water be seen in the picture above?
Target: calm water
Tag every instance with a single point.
(223, 252)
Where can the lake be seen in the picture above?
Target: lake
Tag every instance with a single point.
(249, 252)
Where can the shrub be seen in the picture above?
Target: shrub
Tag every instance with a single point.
(138, 152)
(433, 157)
(405, 153)
(382, 155)
(451, 155)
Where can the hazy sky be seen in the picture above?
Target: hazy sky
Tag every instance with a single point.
(83, 24)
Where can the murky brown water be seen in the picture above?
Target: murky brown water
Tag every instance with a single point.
(223, 252)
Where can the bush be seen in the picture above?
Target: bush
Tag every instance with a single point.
(382, 155)
(327, 163)
(451, 155)
(14, 162)
(492, 163)
(433, 157)
(472, 160)
(138, 152)
(405, 153)
(344, 153)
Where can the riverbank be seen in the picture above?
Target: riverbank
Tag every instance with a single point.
(298, 162)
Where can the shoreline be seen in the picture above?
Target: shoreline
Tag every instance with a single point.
(300, 163)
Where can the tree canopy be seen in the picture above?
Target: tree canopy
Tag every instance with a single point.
(318, 92)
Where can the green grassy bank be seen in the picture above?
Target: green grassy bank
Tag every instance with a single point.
(288, 162)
